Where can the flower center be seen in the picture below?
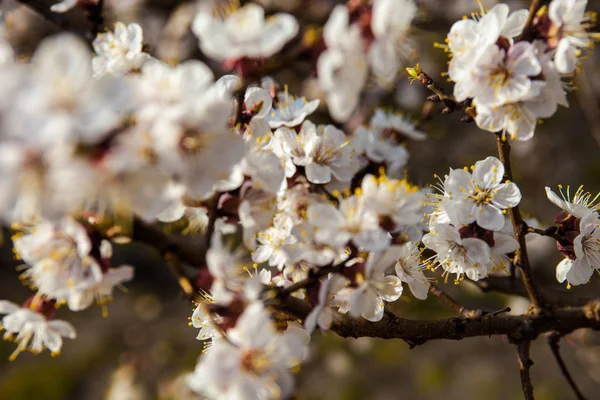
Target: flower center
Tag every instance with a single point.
(482, 196)
(254, 361)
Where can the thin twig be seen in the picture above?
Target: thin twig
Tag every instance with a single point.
(191, 254)
(417, 74)
(544, 232)
(525, 364)
(96, 17)
(449, 301)
(187, 285)
(74, 21)
(553, 342)
(520, 229)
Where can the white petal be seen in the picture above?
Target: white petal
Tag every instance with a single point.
(490, 217)
(515, 23)
(562, 269)
(580, 272)
(507, 195)
(566, 57)
(7, 307)
(419, 289)
(489, 172)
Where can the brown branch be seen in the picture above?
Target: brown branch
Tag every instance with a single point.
(544, 232)
(553, 342)
(417, 74)
(192, 254)
(523, 327)
(525, 364)
(74, 21)
(520, 229)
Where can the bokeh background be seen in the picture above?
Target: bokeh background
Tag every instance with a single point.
(145, 346)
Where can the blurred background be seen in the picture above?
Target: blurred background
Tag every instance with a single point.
(145, 346)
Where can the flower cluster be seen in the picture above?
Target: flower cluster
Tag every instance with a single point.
(293, 205)
(468, 219)
(513, 83)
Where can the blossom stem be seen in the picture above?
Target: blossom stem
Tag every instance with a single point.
(525, 364)
(239, 103)
(543, 232)
(450, 103)
(186, 284)
(519, 229)
(553, 342)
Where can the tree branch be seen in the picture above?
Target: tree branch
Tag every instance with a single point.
(525, 364)
(553, 342)
(190, 254)
(520, 229)
(74, 21)
(523, 327)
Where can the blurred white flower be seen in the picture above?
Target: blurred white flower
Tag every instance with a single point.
(33, 331)
(243, 33)
(64, 6)
(254, 361)
(396, 199)
(374, 288)
(272, 242)
(60, 264)
(290, 111)
(572, 23)
(390, 24)
(342, 68)
(322, 150)
(119, 52)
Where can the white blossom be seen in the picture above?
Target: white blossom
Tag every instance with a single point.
(581, 204)
(243, 33)
(587, 253)
(290, 111)
(59, 264)
(253, 362)
(119, 52)
(354, 221)
(272, 242)
(482, 196)
(390, 24)
(342, 68)
(374, 288)
(571, 22)
(323, 314)
(33, 331)
(469, 256)
(323, 151)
